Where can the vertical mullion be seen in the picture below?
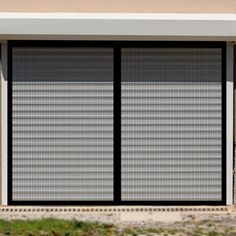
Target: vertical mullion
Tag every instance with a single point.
(117, 124)
(10, 120)
(224, 127)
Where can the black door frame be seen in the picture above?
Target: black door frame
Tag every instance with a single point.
(117, 45)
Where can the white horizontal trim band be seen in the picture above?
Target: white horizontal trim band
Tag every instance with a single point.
(118, 16)
(130, 24)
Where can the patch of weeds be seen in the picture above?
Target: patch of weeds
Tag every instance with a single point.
(157, 230)
(215, 233)
(55, 227)
(131, 230)
(134, 231)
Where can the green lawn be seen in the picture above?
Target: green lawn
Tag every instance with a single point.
(57, 227)
(54, 227)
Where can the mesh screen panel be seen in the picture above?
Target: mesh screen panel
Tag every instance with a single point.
(171, 124)
(62, 124)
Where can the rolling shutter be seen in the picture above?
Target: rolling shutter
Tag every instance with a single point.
(171, 124)
(116, 122)
(62, 148)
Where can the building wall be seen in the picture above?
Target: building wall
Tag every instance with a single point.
(234, 172)
(234, 128)
(139, 6)
(0, 128)
(150, 6)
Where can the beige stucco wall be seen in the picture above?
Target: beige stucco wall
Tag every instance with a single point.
(234, 172)
(159, 6)
(0, 127)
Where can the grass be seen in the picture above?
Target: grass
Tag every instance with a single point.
(54, 227)
(59, 227)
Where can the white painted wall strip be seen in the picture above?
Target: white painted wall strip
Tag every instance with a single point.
(130, 24)
(229, 123)
(4, 121)
(116, 16)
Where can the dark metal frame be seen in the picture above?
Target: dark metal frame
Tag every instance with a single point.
(117, 45)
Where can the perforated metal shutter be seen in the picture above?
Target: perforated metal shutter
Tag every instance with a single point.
(171, 124)
(62, 124)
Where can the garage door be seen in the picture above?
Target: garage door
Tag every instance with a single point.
(116, 122)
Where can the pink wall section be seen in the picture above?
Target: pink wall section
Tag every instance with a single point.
(145, 6)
